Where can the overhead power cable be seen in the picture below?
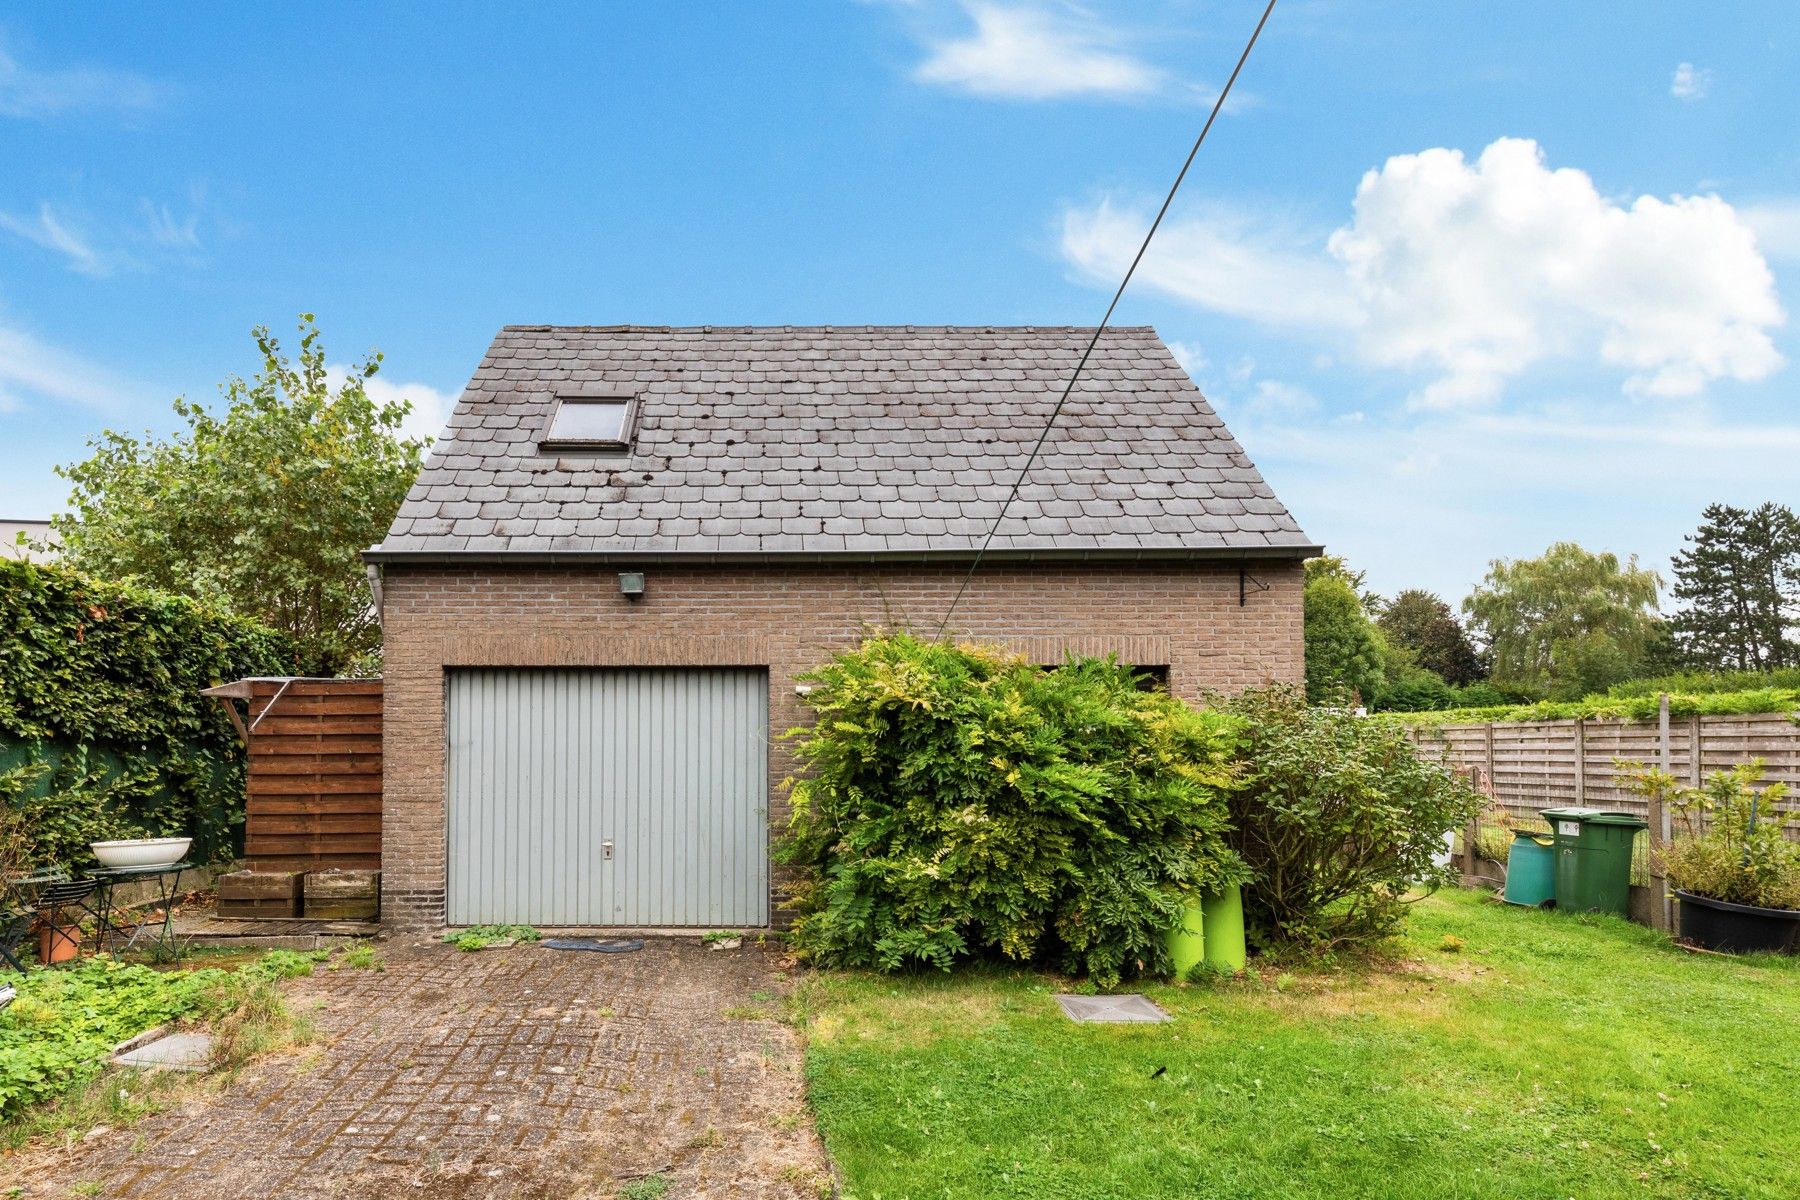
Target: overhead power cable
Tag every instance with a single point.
(1099, 329)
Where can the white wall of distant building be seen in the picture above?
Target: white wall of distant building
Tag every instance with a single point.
(37, 531)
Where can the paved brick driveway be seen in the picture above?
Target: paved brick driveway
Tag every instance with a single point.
(519, 1072)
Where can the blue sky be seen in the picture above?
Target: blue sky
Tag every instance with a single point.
(1465, 279)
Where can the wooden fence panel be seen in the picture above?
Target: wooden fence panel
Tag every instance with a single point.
(1534, 765)
(314, 779)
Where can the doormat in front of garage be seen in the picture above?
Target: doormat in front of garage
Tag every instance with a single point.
(603, 945)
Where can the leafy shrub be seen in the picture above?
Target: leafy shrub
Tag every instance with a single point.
(1413, 689)
(277, 965)
(1338, 817)
(480, 937)
(1731, 846)
(103, 732)
(18, 841)
(960, 801)
(1482, 695)
(65, 1021)
(1621, 708)
(1708, 683)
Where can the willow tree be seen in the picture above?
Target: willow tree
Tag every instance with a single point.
(1566, 623)
(262, 506)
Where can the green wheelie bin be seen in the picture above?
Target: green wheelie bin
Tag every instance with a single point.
(1593, 858)
(1530, 870)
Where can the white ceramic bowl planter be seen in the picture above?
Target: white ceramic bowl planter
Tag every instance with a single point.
(141, 852)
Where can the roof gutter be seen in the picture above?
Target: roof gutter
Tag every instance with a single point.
(1228, 554)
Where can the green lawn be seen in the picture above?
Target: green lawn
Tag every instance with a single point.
(1552, 1056)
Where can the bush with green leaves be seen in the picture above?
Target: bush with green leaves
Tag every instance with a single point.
(480, 937)
(1337, 821)
(1413, 689)
(958, 801)
(1731, 845)
(62, 1028)
(103, 731)
(1709, 683)
(65, 1021)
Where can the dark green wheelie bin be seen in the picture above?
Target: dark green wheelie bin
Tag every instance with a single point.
(1593, 858)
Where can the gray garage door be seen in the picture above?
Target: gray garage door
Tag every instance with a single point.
(614, 797)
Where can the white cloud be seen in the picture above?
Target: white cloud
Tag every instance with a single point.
(1777, 226)
(157, 234)
(53, 233)
(165, 229)
(1690, 82)
(1219, 260)
(1273, 398)
(1028, 53)
(1189, 357)
(1481, 270)
(431, 408)
(1477, 272)
(33, 372)
(38, 93)
(1427, 498)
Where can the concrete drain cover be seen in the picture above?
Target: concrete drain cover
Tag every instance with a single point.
(1105, 1010)
(173, 1052)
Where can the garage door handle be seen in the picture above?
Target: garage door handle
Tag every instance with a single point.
(605, 849)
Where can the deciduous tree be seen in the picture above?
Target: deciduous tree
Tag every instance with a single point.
(1566, 623)
(1344, 651)
(263, 507)
(1418, 621)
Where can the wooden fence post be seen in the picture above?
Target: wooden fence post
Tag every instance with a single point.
(1470, 836)
(1493, 784)
(1658, 819)
(1580, 732)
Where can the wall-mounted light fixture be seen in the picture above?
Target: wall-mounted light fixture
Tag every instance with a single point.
(631, 585)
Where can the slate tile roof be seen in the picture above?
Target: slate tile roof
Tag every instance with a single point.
(825, 441)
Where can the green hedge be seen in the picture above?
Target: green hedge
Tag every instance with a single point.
(959, 801)
(1702, 683)
(103, 732)
(1628, 708)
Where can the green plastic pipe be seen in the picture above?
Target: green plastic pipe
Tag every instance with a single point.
(1187, 941)
(1223, 925)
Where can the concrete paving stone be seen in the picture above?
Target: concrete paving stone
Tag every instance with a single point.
(455, 1075)
(171, 1052)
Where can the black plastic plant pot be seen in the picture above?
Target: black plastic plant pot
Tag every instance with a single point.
(1738, 928)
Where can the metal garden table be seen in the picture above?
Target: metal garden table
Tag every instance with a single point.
(168, 887)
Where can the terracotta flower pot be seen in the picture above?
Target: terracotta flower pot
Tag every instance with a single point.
(58, 945)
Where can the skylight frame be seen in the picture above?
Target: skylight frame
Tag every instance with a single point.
(547, 439)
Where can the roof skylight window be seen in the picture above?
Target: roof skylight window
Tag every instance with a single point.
(591, 422)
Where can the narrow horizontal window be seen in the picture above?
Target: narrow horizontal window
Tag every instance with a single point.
(595, 421)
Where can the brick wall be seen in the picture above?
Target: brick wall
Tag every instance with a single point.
(1184, 616)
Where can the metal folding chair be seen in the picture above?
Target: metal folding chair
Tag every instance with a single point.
(15, 927)
(56, 897)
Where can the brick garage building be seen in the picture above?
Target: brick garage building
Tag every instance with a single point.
(600, 593)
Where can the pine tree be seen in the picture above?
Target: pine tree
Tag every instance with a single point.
(1739, 583)
(1424, 624)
